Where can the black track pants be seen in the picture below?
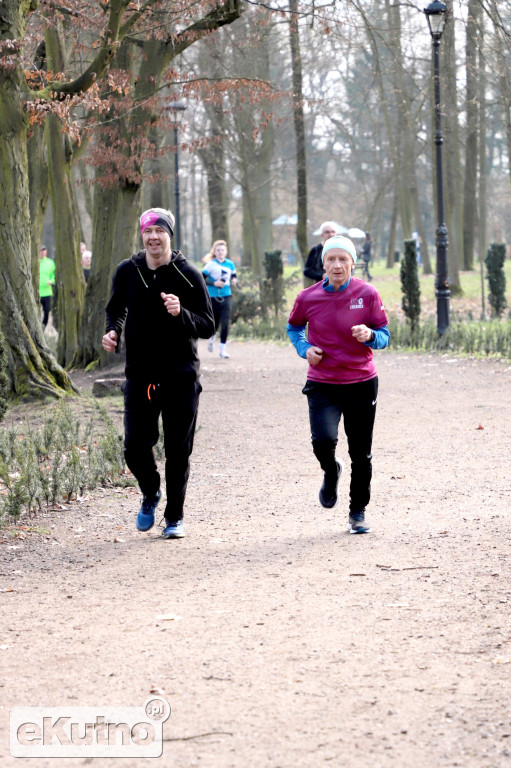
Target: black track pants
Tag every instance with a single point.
(222, 314)
(177, 401)
(357, 403)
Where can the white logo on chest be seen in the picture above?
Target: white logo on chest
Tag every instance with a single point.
(357, 304)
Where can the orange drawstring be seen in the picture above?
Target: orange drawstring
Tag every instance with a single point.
(148, 391)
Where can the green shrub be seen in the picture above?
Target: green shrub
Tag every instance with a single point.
(410, 287)
(494, 261)
(246, 301)
(248, 313)
(272, 287)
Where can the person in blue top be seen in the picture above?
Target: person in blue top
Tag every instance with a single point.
(220, 274)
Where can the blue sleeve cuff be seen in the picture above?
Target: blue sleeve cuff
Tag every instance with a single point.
(297, 337)
(381, 338)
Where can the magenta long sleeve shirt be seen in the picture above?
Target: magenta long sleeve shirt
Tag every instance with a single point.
(330, 316)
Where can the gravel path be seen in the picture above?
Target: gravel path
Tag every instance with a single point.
(293, 643)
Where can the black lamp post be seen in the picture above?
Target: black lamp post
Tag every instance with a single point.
(178, 108)
(436, 16)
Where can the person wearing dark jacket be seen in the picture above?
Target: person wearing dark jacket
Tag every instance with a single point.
(161, 301)
(313, 271)
(367, 256)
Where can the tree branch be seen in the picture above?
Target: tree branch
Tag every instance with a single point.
(229, 11)
(109, 45)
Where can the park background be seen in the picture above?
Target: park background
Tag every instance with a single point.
(251, 112)
(278, 638)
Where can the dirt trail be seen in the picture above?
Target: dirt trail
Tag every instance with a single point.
(297, 644)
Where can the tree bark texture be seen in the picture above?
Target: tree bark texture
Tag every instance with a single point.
(38, 183)
(392, 234)
(483, 162)
(115, 237)
(471, 160)
(405, 154)
(453, 177)
(213, 154)
(255, 150)
(298, 120)
(117, 210)
(33, 372)
(68, 266)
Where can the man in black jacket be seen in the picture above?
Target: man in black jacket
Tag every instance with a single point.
(162, 301)
(313, 271)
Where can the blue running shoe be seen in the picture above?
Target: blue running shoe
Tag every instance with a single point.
(357, 523)
(145, 517)
(174, 530)
(328, 491)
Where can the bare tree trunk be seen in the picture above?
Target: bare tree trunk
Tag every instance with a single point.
(117, 213)
(405, 175)
(397, 112)
(451, 155)
(483, 163)
(214, 165)
(500, 38)
(68, 267)
(426, 261)
(255, 158)
(213, 154)
(38, 182)
(116, 220)
(32, 370)
(470, 185)
(298, 120)
(392, 234)
(158, 192)
(256, 184)
(197, 215)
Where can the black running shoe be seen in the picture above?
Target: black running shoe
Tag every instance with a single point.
(328, 491)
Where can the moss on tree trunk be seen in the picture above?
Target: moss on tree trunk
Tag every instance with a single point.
(39, 190)
(32, 370)
(69, 271)
(116, 215)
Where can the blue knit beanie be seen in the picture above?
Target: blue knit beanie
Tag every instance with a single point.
(339, 241)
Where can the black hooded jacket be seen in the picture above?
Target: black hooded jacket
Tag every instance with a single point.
(159, 346)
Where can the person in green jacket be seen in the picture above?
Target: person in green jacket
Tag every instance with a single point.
(46, 282)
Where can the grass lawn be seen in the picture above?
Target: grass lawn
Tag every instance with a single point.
(388, 284)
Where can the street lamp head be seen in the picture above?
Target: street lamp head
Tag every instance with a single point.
(177, 107)
(436, 14)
